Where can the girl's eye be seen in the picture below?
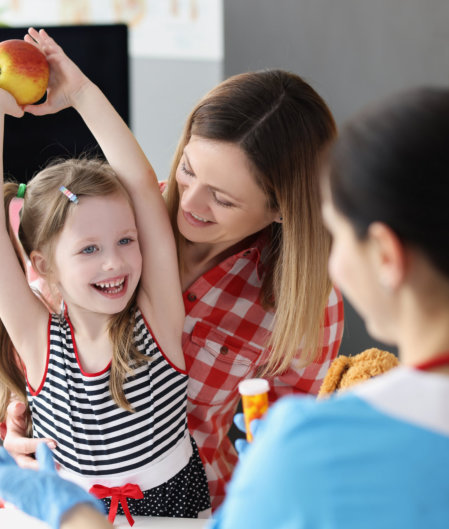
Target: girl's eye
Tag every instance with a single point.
(125, 241)
(223, 203)
(89, 250)
(185, 170)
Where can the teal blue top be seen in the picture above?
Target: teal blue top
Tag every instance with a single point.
(374, 458)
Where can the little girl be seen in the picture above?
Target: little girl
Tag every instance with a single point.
(107, 387)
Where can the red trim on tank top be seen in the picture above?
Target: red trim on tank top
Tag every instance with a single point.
(109, 364)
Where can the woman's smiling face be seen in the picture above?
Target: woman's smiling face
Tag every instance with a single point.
(220, 201)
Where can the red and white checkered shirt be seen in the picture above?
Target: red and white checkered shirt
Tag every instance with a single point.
(223, 342)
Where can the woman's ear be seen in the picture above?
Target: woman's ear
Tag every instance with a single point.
(40, 263)
(390, 255)
(277, 217)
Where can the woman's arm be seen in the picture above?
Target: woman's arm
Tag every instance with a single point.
(16, 443)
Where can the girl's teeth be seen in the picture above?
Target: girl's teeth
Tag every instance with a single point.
(118, 285)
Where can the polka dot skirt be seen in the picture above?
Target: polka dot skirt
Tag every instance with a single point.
(183, 496)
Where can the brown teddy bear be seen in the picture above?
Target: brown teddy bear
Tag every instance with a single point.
(346, 371)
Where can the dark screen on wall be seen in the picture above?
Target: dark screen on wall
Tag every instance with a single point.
(102, 54)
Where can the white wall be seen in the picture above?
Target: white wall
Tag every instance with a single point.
(162, 93)
(351, 51)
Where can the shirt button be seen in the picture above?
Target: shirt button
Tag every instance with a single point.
(224, 350)
(191, 296)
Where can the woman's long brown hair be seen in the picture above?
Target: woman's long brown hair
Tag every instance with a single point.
(281, 124)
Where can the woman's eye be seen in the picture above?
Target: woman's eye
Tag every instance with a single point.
(125, 241)
(223, 203)
(89, 250)
(185, 170)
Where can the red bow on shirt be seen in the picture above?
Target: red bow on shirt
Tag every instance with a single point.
(118, 494)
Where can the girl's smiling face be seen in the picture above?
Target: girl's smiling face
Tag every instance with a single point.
(220, 201)
(97, 260)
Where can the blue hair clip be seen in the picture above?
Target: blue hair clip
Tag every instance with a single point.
(71, 196)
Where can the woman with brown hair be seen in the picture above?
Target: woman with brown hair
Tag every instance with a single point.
(244, 203)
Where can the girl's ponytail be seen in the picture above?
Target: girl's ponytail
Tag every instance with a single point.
(12, 374)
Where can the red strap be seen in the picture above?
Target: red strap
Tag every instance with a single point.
(118, 494)
(437, 361)
(2, 430)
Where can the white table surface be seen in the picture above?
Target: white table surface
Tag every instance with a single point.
(11, 518)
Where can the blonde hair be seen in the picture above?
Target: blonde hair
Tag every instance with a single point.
(281, 124)
(42, 218)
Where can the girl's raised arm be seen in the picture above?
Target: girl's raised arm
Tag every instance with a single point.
(160, 295)
(23, 317)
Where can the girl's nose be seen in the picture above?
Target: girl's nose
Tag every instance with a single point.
(112, 260)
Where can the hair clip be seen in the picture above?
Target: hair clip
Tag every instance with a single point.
(71, 196)
(21, 190)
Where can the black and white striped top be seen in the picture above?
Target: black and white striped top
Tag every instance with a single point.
(95, 437)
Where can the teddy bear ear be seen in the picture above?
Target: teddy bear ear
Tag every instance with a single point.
(368, 364)
(376, 361)
(332, 380)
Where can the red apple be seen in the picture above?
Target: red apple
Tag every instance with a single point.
(24, 71)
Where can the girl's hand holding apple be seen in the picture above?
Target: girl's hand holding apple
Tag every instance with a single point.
(66, 82)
